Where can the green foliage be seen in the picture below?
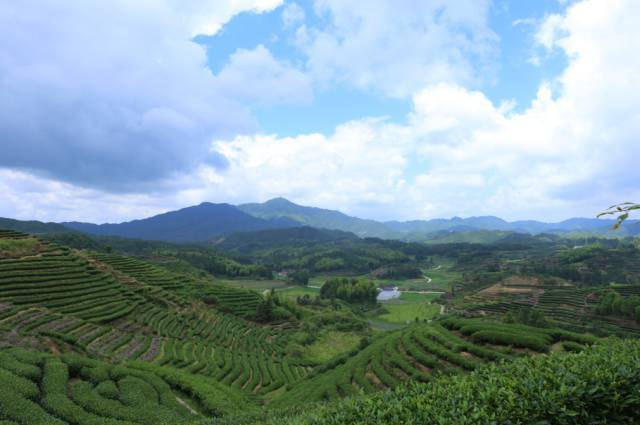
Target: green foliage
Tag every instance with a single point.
(201, 258)
(517, 335)
(300, 277)
(265, 310)
(507, 338)
(598, 385)
(612, 303)
(18, 247)
(527, 316)
(315, 250)
(401, 271)
(274, 308)
(350, 290)
(622, 211)
(77, 390)
(167, 332)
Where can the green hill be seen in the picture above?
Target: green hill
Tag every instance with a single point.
(597, 386)
(318, 217)
(91, 336)
(121, 310)
(32, 226)
(199, 223)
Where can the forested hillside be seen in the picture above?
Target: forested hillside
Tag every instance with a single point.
(199, 223)
(109, 330)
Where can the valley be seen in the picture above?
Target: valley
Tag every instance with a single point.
(245, 328)
(319, 212)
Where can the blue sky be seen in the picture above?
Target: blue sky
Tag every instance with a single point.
(402, 109)
(514, 76)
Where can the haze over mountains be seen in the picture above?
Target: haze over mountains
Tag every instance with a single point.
(192, 224)
(207, 221)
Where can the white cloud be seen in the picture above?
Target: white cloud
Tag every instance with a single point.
(549, 31)
(399, 47)
(292, 15)
(256, 76)
(120, 96)
(572, 152)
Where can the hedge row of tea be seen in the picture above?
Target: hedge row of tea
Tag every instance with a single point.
(574, 308)
(228, 299)
(118, 308)
(599, 385)
(420, 351)
(37, 388)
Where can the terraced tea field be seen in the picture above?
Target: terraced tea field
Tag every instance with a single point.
(122, 309)
(419, 351)
(70, 389)
(570, 307)
(110, 339)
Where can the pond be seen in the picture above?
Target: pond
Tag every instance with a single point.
(388, 295)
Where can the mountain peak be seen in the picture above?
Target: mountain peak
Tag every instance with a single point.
(279, 201)
(212, 204)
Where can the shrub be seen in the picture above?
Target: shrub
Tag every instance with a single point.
(597, 386)
(518, 340)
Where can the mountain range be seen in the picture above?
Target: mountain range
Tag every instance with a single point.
(198, 223)
(210, 222)
(425, 229)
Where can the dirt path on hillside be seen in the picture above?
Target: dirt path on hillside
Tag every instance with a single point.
(186, 405)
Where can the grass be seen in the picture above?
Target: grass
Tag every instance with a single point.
(321, 279)
(409, 307)
(403, 313)
(331, 344)
(415, 297)
(18, 247)
(254, 284)
(437, 277)
(380, 326)
(293, 292)
(442, 278)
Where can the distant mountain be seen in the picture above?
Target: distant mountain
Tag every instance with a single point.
(455, 224)
(32, 226)
(318, 217)
(467, 236)
(199, 223)
(207, 221)
(420, 230)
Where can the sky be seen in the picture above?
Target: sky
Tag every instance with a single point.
(400, 110)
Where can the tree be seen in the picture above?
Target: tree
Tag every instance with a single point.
(622, 212)
(264, 310)
(350, 290)
(300, 277)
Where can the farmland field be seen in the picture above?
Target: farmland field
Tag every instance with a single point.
(409, 307)
(292, 292)
(254, 284)
(331, 344)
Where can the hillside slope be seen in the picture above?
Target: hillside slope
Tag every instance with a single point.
(32, 226)
(118, 309)
(597, 386)
(267, 239)
(318, 217)
(199, 223)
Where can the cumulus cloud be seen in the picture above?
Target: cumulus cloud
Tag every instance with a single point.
(396, 48)
(256, 76)
(292, 15)
(572, 152)
(119, 96)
